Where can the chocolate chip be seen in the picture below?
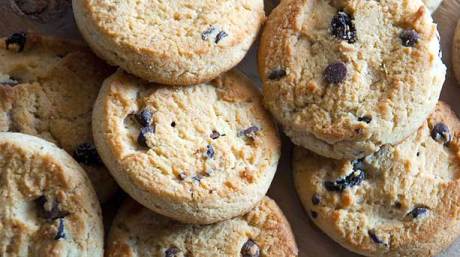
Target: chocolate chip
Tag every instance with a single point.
(52, 214)
(144, 118)
(173, 124)
(354, 179)
(18, 39)
(409, 37)
(205, 34)
(87, 154)
(250, 249)
(315, 199)
(366, 119)
(142, 138)
(249, 132)
(398, 205)
(418, 212)
(209, 152)
(314, 214)
(342, 27)
(214, 135)
(60, 233)
(374, 237)
(335, 73)
(440, 133)
(277, 74)
(222, 34)
(171, 252)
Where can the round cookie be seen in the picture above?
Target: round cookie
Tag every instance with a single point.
(456, 52)
(345, 77)
(49, 207)
(47, 89)
(432, 5)
(171, 42)
(138, 232)
(198, 154)
(400, 201)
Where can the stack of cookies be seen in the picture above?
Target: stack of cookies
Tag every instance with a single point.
(355, 85)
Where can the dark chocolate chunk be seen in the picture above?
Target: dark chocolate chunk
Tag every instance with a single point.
(144, 118)
(222, 34)
(87, 154)
(209, 152)
(440, 133)
(398, 205)
(366, 119)
(214, 135)
(418, 212)
(18, 39)
(354, 179)
(335, 73)
(358, 164)
(250, 249)
(60, 233)
(142, 138)
(277, 74)
(409, 37)
(249, 132)
(171, 252)
(205, 34)
(314, 214)
(315, 199)
(374, 237)
(342, 27)
(52, 214)
(173, 124)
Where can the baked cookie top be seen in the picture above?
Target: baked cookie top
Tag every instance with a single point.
(47, 89)
(138, 232)
(401, 201)
(198, 154)
(345, 77)
(48, 205)
(172, 42)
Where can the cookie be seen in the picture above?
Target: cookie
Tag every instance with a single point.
(400, 201)
(197, 154)
(171, 42)
(47, 89)
(264, 231)
(456, 52)
(49, 207)
(345, 77)
(432, 5)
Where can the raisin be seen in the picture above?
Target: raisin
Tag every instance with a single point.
(440, 133)
(314, 214)
(205, 34)
(142, 138)
(277, 74)
(250, 249)
(171, 252)
(144, 118)
(60, 233)
(366, 119)
(87, 154)
(18, 39)
(342, 27)
(249, 132)
(315, 199)
(222, 34)
(214, 135)
(53, 214)
(354, 179)
(374, 237)
(335, 73)
(209, 152)
(409, 37)
(418, 212)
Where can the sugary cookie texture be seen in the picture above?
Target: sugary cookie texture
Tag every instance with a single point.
(198, 154)
(47, 89)
(138, 232)
(345, 77)
(177, 42)
(401, 201)
(48, 206)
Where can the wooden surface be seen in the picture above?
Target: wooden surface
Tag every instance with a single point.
(311, 241)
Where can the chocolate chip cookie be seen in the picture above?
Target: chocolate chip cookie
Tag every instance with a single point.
(400, 201)
(264, 231)
(345, 77)
(47, 89)
(198, 154)
(171, 42)
(49, 207)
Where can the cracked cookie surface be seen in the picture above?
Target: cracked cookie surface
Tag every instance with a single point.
(401, 201)
(345, 77)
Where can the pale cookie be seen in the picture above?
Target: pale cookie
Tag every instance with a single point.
(432, 5)
(456, 52)
(264, 231)
(49, 207)
(198, 154)
(345, 77)
(401, 201)
(47, 89)
(171, 42)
